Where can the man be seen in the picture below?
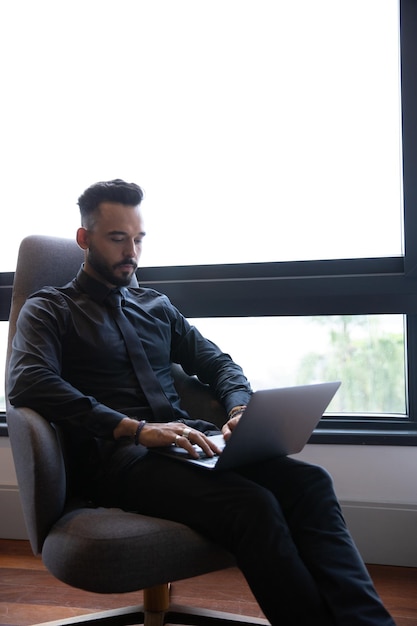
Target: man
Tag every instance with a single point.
(72, 363)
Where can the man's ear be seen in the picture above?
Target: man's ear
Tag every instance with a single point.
(82, 238)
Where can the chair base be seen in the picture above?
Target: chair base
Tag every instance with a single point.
(179, 614)
(157, 611)
(176, 614)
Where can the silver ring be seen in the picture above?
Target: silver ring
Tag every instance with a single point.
(186, 433)
(176, 440)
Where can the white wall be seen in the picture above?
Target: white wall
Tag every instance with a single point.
(378, 474)
(11, 520)
(377, 486)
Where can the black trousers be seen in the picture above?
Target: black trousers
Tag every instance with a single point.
(280, 518)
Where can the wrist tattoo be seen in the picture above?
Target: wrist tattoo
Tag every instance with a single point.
(237, 410)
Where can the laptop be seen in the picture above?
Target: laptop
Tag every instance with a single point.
(276, 422)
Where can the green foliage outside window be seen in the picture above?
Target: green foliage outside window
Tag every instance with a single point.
(367, 358)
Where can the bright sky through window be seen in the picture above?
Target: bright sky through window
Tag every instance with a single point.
(260, 130)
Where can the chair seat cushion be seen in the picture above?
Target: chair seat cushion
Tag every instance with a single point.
(107, 550)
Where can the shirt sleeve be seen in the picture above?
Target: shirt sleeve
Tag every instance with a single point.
(201, 357)
(34, 377)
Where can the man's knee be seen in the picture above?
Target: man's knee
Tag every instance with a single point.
(309, 475)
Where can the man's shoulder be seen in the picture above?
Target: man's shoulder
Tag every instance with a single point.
(51, 292)
(48, 290)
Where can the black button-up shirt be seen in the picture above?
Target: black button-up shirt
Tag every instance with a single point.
(69, 361)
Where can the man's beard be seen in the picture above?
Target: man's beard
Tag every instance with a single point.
(107, 272)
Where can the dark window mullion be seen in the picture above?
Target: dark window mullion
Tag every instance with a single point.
(408, 46)
(411, 366)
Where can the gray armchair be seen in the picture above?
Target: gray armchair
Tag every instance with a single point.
(105, 550)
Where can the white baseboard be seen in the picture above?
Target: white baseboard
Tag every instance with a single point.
(386, 534)
(12, 525)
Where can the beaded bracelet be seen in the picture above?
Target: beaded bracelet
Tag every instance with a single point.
(138, 431)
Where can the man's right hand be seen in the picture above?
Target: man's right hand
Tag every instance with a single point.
(154, 435)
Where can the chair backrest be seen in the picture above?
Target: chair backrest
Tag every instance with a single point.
(41, 261)
(37, 453)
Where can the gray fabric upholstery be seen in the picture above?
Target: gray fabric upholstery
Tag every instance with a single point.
(112, 551)
(42, 261)
(40, 472)
(96, 549)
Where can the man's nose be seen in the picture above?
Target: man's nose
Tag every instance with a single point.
(130, 249)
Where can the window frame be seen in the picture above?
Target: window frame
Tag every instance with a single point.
(329, 287)
(334, 287)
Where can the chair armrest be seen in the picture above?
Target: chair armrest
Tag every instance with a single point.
(40, 471)
(197, 398)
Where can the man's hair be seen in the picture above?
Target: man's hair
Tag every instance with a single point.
(116, 190)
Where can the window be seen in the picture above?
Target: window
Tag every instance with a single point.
(364, 299)
(278, 170)
(366, 352)
(258, 131)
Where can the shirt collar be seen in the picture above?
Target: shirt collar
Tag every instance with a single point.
(96, 290)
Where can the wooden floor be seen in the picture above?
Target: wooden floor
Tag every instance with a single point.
(29, 595)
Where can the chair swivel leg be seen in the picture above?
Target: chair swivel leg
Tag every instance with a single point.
(155, 604)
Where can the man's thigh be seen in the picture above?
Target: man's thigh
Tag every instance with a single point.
(204, 499)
